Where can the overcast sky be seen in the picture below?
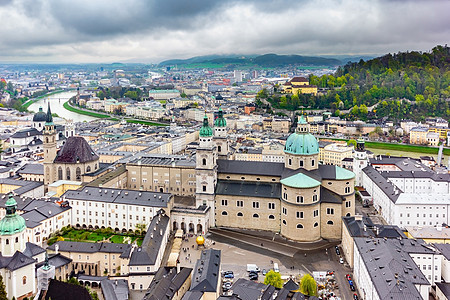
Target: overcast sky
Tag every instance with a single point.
(153, 30)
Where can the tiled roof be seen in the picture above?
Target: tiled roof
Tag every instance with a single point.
(76, 149)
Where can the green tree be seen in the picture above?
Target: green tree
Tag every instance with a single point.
(273, 278)
(351, 142)
(74, 281)
(308, 285)
(2, 289)
(140, 228)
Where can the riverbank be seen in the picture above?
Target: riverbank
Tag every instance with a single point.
(399, 147)
(85, 112)
(33, 100)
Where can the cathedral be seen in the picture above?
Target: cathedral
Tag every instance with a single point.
(300, 198)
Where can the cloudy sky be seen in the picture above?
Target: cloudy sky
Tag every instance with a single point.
(153, 30)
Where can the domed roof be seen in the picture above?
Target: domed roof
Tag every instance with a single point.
(220, 121)
(40, 116)
(205, 131)
(12, 223)
(301, 144)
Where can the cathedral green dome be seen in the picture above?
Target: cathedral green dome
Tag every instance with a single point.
(12, 223)
(220, 121)
(301, 144)
(206, 131)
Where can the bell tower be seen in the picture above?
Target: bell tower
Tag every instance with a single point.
(206, 169)
(49, 148)
(220, 136)
(360, 161)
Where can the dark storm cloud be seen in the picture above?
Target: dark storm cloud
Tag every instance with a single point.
(111, 30)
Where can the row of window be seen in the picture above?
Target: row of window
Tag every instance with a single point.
(301, 162)
(424, 215)
(300, 199)
(272, 217)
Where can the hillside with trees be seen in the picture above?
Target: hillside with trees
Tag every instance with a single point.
(410, 85)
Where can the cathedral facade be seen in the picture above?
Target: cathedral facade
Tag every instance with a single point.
(299, 199)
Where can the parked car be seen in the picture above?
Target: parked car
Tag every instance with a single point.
(226, 286)
(341, 260)
(253, 275)
(355, 297)
(337, 250)
(348, 277)
(228, 274)
(264, 272)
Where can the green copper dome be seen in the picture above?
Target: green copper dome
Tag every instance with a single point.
(12, 223)
(205, 131)
(301, 144)
(220, 121)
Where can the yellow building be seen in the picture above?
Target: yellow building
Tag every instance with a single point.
(439, 235)
(57, 188)
(441, 130)
(299, 85)
(333, 154)
(418, 135)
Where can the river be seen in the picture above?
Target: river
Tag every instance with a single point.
(56, 104)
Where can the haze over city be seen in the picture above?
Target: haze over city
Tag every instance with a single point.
(151, 31)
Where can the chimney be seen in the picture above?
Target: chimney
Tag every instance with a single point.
(56, 248)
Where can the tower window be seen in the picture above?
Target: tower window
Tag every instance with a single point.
(299, 199)
(204, 161)
(299, 226)
(239, 214)
(224, 213)
(204, 188)
(219, 148)
(290, 161)
(271, 217)
(312, 162)
(316, 224)
(301, 163)
(255, 216)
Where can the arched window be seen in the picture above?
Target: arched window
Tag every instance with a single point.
(67, 173)
(290, 161)
(88, 169)
(24, 280)
(224, 213)
(299, 226)
(347, 215)
(17, 239)
(301, 163)
(330, 222)
(299, 199)
(239, 214)
(347, 189)
(7, 241)
(219, 148)
(60, 174)
(204, 161)
(255, 216)
(96, 166)
(284, 222)
(316, 224)
(271, 217)
(78, 174)
(314, 198)
(312, 162)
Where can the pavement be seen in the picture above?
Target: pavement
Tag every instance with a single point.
(239, 249)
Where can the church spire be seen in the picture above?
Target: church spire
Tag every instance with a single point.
(49, 118)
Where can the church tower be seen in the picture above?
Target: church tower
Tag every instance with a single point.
(206, 169)
(49, 148)
(360, 161)
(12, 229)
(70, 129)
(220, 135)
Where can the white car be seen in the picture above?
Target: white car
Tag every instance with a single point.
(341, 260)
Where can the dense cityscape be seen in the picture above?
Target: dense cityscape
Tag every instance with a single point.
(223, 176)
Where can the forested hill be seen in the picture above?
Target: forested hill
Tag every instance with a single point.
(423, 79)
(266, 61)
